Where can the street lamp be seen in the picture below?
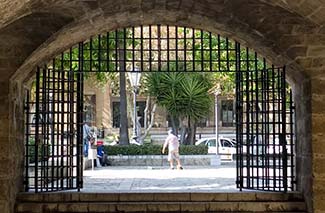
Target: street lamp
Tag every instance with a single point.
(217, 92)
(135, 76)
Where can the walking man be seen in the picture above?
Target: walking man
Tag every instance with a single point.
(173, 153)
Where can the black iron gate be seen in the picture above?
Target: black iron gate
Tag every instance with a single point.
(265, 126)
(53, 151)
(264, 106)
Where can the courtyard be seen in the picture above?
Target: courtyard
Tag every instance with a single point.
(161, 179)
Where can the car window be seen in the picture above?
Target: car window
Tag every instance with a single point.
(226, 143)
(202, 143)
(212, 142)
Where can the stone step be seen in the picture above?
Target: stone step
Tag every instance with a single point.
(175, 196)
(159, 202)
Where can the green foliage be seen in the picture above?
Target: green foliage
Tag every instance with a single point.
(149, 149)
(182, 94)
(43, 151)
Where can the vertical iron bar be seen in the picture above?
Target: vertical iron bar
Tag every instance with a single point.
(239, 147)
(62, 101)
(133, 47)
(141, 42)
(58, 127)
(283, 138)
(219, 52)
(168, 49)
(267, 123)
(248, 138)
(116, 52)
(202, 55)
(150, 49)
(176, 47)
(57, 122)
(71, 115)
(185, 61)
(159, 47)
(210, 53)
(257, 136)
(37, 113)
(47, 127)
(79, 120)
(291, 141)
(274, 126)
(81, 108)
(279, 114)
(227, 54)
(44, 121)
(53, 124)
(193, 49)
(27, 139)
(107, 52)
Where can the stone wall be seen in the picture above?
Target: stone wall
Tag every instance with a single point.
(285, 32)
(103, 103)
(158, 160)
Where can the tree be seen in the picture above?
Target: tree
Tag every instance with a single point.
(184, 95)
(124, 134)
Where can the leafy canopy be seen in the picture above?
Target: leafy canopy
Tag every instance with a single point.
(182, 94)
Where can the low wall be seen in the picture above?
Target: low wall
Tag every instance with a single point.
(158, 160)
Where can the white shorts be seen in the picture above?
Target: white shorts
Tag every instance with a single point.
(173, 155)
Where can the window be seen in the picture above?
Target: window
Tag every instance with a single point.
(116, 114)
(226, 143)
(227, 113)
(212, 143)
(141, 105)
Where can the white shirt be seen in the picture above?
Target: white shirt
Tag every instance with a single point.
(172, 142)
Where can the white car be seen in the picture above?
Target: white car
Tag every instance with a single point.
(226, 146)
(259, 147)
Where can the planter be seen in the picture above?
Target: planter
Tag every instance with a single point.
(158, 160)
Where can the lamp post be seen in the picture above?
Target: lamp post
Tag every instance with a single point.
(135, 76)
(217, 92)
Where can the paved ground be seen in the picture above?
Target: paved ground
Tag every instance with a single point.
(161, 179)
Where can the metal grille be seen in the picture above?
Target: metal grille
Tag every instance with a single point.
(264, 106)
(265, 126)
(53, 150)
(154, 49)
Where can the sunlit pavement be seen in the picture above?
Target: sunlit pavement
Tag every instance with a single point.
(161, 179)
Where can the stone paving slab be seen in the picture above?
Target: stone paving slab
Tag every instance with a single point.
(161, 179)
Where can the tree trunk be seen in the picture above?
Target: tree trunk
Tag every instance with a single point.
(152, 119)
(183, 132)
(124, 134)
(193, 133)
(174, 125)
(146, 113)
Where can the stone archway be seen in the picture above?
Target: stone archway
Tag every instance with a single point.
(57, 43)
(287, 43)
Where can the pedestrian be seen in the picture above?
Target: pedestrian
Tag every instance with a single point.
(86, 138)
(173, 150)
(101, 155)
(92, 147)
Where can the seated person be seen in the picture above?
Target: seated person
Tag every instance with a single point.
(101, 155)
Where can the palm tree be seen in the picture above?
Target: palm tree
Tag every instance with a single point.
(185, 97)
